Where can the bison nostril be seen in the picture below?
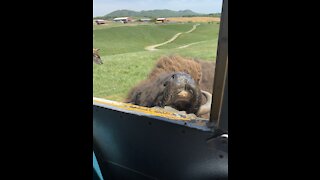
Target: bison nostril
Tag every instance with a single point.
(173, 76)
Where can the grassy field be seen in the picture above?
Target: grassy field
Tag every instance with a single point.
(126, 62)
(124, 39)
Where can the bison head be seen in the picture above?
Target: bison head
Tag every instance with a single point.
(177, 90)
(96, 56)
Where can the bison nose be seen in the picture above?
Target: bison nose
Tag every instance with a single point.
(184, 94)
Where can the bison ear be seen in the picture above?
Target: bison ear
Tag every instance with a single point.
(98, 49)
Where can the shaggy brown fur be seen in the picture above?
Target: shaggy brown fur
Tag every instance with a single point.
(177, 64)
(147, 92)
(207, 78)
(146, 88)
(201, 71)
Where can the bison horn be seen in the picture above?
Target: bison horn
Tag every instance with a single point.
(204, 109)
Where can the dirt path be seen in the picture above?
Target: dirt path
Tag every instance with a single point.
(153, 47)
(185, 46)
(193, 28)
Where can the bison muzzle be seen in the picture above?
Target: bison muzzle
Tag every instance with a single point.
(180, 92)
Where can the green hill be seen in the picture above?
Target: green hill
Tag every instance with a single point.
(151, 13)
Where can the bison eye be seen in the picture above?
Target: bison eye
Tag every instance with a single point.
(165, 84)
(173, 76)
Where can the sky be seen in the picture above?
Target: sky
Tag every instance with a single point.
(103, 7)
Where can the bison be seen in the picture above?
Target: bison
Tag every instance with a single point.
(181, 83)
(96, 56)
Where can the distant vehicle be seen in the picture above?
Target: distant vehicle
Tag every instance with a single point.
(100, 21)
(122, 19)
(161, 20)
